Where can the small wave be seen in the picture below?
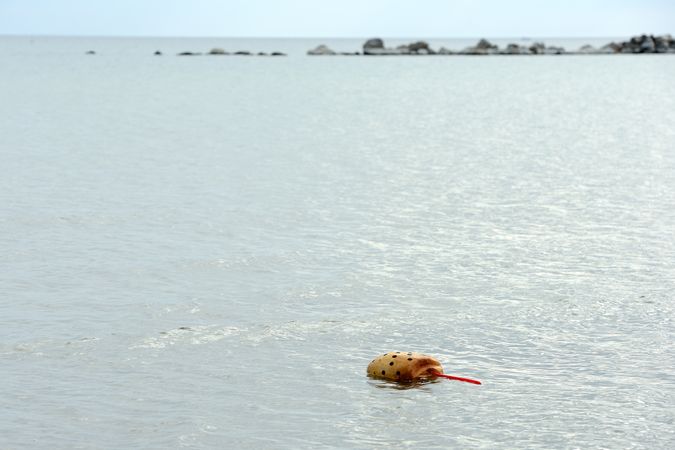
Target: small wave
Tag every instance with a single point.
(187, 335)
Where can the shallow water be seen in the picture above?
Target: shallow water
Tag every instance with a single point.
(207, 252)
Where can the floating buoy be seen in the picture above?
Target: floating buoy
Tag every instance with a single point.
(409, 366)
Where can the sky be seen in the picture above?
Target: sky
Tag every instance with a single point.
(338, 18)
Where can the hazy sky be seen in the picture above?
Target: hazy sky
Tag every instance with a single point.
(348, 18)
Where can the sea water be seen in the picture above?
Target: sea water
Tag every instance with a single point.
(206, 252)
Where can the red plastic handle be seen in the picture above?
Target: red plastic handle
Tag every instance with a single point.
(451, 377)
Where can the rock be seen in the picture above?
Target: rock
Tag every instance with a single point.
(376, 47)
(420, 47)
(486, 45)
(538, 48)
(188, 54)
(349, 53)
(278, 54)
(262, 54)
(612, 47)
(321, 50)
(515, 49)
(375, 43)
(483, 47)
(555, 51)
(661, 43)
(90, 52)
(647, 45)
(641, 44)
(632, 46)
(587, 50)
(217, 51)
(243, 53)
(590, 50)
(158, 53)
(445, 51)
(400, 50)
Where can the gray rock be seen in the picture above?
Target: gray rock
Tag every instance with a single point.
(321, 50)
(554, 51)
(587, 50)
(538, 48)
(445, 51)
(277, 54)
(400, 50)
(217, 51)
(647, 45)
(612, 47)
(188, 54)
(243, 53)
(483, 47)
(515, 49)
(376, 47)
(642, 44)
(639, 44)
(90, 52)
(420, 47)
(158, 53)
(661, 44)
(486, 45)
(590, 50)
(375, 43)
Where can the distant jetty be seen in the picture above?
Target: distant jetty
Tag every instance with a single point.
(636, 45)
(222, 52)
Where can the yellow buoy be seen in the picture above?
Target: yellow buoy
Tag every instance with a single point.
(404, 366)
(409, 366)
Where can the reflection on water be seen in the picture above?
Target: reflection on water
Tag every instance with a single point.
(401, 385)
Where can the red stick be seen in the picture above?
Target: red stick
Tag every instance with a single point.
(450, 377)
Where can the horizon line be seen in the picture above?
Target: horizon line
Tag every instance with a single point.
(318, 37)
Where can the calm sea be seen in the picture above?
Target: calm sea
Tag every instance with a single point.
(206, 252)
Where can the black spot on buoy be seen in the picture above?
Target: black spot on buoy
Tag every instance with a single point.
(383, 372)
(393, 356)
(398, 373)
(391, 363)
(409, 359)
